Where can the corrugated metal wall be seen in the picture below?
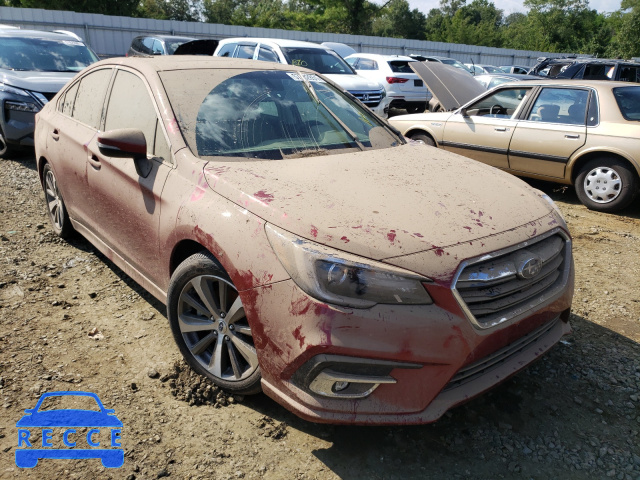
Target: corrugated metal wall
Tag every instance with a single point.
(111, 36)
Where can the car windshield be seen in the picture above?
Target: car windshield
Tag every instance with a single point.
(44, 55)
(491, 69)
(270, 115)
(317, 59)
(628, 99)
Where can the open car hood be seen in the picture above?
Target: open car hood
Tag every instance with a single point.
(452, 87)
(197, 47)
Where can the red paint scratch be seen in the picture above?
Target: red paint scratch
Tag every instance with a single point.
(391, 236)
(314, 231)
(345, 239)
(419, 235)
(439, 251)
(298, 336)
(468, 228)
(200, 189)
(263, 196)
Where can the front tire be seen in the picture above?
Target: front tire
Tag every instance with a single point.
(210, 326)
(606, 184)
(423, 138)
(55, 204)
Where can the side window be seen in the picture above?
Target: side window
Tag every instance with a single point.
(352, 62)
(599, 71)
(157, 48)
(629, 74)
(66, 103)
(267, 54)
(130, 94)
(245, 51)
(136, 44)
(147, 45)
(227, 50)
(89, 100)
(501, 104)
(367, 64)
(560, 105)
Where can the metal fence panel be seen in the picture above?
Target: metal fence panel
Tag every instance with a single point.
(111, 36)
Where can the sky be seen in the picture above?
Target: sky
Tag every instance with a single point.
(512, 6)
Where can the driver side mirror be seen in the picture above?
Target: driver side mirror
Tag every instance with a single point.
(463, 112)
(126, 143)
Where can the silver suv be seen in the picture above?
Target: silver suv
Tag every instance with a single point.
(34, 65)
(310, 55)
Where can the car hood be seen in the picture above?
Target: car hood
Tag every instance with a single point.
(452, 87)
(69, 418)
(353, 82)
(45, 82)
(383, 203)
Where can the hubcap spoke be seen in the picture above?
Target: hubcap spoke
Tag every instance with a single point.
(201, 285)
(216, 358)
(222, 295)
(203, 344)
(602, 185)
(193, 323)
(235, 364)
(246, 350)
(236, 312)
(195, 303)
(243, 329)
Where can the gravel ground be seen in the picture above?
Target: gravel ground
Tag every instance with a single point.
(71, 320)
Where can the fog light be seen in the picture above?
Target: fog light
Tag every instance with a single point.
(339, 386)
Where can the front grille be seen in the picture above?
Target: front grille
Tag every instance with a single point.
(371, 98)
(481, 367)
(506, 285)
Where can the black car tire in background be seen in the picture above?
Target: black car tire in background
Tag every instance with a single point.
(55, 204)
(5, 150)
(210, 326)
(595, 172)
(423, 138)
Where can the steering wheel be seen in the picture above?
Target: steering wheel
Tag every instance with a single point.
(499, 109)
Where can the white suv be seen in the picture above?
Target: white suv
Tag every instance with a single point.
(404, 88)
(313, 56)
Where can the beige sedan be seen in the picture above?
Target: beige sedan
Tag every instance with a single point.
(582, 133)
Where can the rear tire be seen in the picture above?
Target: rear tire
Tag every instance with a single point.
(606, 184)
(55, 204)
(210, 326)
(423, 138)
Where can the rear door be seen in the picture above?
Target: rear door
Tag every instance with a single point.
(70, 131)
(483, 130)
(552, 130)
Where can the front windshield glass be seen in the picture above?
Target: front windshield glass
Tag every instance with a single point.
(317, 59)
(270, 115)
(491, 69)
(44, 55)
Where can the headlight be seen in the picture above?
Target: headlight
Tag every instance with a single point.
(343, 279)
(546, 197)
(16, 91)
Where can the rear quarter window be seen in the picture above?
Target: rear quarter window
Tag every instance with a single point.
(399, 66)
(628, 100)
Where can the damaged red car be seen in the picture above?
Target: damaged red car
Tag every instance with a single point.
(301, 245)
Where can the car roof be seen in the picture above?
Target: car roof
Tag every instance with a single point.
(167, 37)
(589, 60)
(380, 56)
(159, 63)
(564, 82)
(281, 42)
(18, 32)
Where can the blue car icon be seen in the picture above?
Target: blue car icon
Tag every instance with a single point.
(69, 418)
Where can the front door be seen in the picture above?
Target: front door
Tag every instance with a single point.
(483, 130)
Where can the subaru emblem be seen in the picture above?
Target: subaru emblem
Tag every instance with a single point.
(529, 267)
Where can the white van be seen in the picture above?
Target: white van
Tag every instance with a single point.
(313, 56)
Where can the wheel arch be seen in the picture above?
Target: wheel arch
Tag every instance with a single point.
(184, 249)
(577, 164)
(423, 131)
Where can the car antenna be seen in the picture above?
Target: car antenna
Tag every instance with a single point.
(473, 70)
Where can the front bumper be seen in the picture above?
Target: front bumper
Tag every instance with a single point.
(413, 362)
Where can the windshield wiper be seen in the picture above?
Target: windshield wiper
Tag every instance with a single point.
(313, 93)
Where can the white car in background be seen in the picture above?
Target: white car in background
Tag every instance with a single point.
(404, 88)
(309, 55)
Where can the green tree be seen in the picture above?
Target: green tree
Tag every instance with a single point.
(396, 20)
(625, 28)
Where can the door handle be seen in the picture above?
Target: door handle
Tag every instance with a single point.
(500, 129)
(93, 159)
(55, 134)
(572, 137)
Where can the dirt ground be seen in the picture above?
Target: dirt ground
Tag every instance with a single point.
(71, 320)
